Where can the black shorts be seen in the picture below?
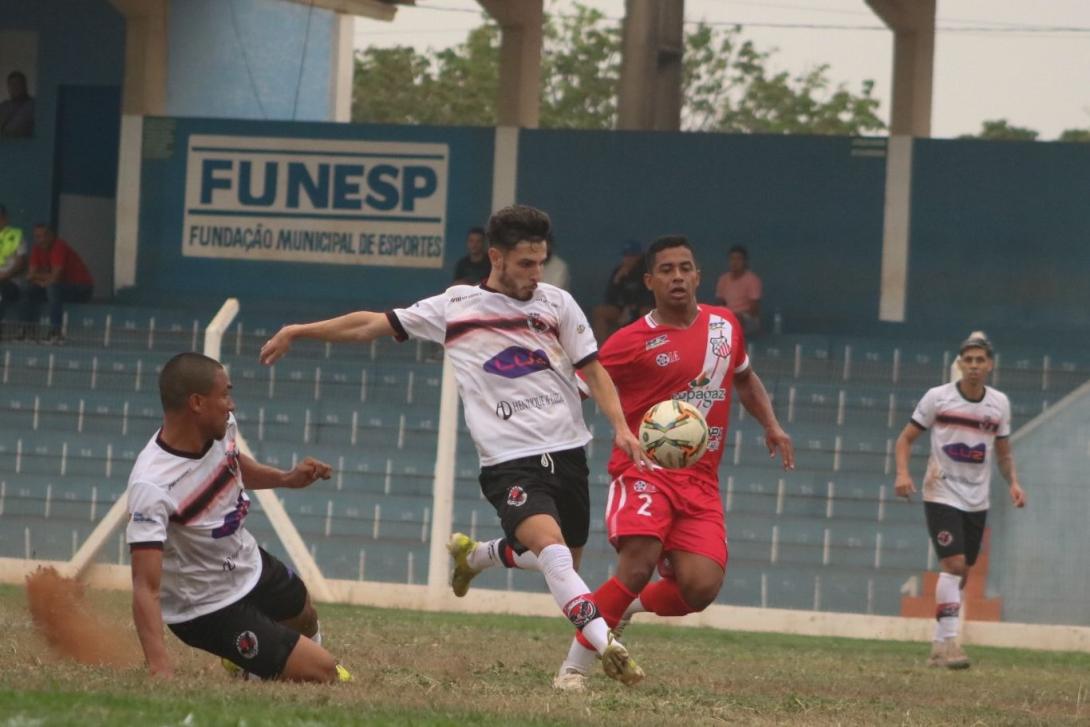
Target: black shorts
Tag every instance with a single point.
(551, 484)
(954, 531)
(248, 631)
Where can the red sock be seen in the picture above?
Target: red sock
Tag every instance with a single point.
(664, 598)
(612, 599)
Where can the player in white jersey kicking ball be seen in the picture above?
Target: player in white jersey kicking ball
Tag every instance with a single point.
(515, 344)
(195, 567)
(970, 427)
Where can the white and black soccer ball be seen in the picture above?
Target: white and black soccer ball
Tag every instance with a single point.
(674, 434)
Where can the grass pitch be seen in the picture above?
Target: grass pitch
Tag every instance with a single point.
(416, 668)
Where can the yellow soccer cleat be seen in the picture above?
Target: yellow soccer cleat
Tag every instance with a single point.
(617, 664)
(343, 675)
(460, 546)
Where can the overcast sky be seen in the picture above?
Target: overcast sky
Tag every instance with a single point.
(1022, 60)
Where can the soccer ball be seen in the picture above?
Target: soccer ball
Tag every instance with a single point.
(674, 434)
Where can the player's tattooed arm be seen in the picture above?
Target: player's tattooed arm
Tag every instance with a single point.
(147, 614)
(1005, 459)
(257, 476)
(903, 485)
(604, 393)
(361, 326)
(754, 397)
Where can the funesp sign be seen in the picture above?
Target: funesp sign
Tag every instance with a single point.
(316, 200)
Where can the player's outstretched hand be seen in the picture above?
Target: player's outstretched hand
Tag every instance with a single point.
(904, 487)
(1018, 495)
(276, 347)
(626, 441)
(308, 472)
(777, 440)
(162, 670)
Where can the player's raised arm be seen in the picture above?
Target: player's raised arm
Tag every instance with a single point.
(258, 476)
(360, 327)
(605, 394)
(147, 569)
(754, 397)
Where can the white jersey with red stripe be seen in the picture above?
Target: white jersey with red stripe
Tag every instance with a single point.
(963, 434)
(515, 363)
(194, 507)
(650, 362)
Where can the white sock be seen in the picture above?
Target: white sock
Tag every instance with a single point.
(948, 606)
(580, 658)
(572, 595)
(487, 555)
(317, 637)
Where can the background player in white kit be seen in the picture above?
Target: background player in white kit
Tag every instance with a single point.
(970, 427)
(515, 345)
(194, 564)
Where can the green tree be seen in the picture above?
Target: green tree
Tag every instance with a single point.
(1002, 130)
(1079, 135)
(728, 84)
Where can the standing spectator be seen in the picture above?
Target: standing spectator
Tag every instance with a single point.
(58, 275)
(740, 290)
(13, 259)
(555, 271)
(475, 266)
(626, 295)
(17, 113)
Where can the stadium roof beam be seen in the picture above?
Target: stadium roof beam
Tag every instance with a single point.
(374, 9)
(519, 102)
(651, 69)
(144, 87)
(913, 26)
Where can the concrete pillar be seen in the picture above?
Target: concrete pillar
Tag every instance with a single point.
(651, 69)
(519, 102)
(144, 89)
(913, 26)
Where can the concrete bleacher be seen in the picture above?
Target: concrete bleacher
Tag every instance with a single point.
(827, 535)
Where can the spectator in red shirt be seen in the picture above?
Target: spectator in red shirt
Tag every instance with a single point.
(740, 290)
(57, 275)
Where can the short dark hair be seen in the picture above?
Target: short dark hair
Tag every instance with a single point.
(475, 231)
(517, 223)
(17, 74)
(186, 374)
(665, 243)
(741, 250)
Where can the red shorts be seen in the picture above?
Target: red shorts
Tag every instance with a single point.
(683, 512)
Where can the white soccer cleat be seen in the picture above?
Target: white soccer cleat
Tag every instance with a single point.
(617, 664)
(948, 653)
(570, 680)
(460, 546)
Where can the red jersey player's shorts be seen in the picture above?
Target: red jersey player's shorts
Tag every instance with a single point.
(682, 511)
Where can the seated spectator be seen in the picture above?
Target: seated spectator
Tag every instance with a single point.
(475, 266)
(13, 259)
(58, 275)
(740, 290)
(17, 113)
(555, 271)
(626, 295)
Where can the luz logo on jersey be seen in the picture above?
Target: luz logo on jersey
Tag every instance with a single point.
(516, 361)
(961, 452)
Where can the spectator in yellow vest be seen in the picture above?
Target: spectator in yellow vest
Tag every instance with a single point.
(13, 262)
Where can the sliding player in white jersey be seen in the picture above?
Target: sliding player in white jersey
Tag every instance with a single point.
(515, 345)
(195, 567)
(970, 427)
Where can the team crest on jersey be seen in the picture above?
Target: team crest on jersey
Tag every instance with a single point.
(246, 643)
(656, 342)
(665, 359)
(961, 452)
(535, 323)
(715, 438)
(720, 347)
(641, 486)
(516, 361)
(944, 538)
(516, 496)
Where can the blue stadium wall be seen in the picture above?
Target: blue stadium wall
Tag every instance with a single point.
(997, 231)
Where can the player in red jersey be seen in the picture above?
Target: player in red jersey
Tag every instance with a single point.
(673, 519)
